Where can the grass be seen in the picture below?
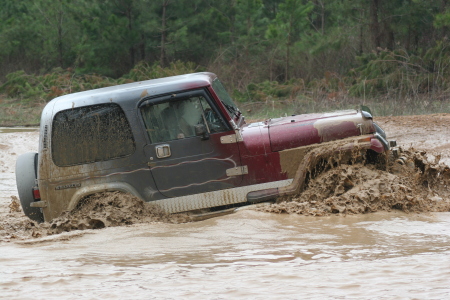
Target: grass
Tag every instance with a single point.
(389, 82)
(14, 112)
(380, 106)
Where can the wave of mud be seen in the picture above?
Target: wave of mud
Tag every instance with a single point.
(415, 182)
(97, 211)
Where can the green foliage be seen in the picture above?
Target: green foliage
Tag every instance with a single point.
(289, 25)
(38, 88)
(270, 90)
(255, 39)
(263, 49)
(401, 73)
(144, 71)
(442, 19)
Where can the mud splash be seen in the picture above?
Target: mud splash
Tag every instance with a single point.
(97, 211)
(415, 182)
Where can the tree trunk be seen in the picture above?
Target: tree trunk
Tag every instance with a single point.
(444, 6)
(361, 32)
(288, 45)
(390, 38)
(130, 30)
(408, 39)
(60, 43)
(60, 36)
(286, 72)
(162, 58)
(143, 53)
(374, 24)
(322, 15)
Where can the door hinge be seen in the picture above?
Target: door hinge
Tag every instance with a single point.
(236, 171)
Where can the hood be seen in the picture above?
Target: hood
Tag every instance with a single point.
(303, 130)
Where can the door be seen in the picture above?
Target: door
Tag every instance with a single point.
(181, 162)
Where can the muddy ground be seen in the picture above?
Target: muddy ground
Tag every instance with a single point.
(418, 182)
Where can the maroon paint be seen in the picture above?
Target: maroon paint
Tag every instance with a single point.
(263, 168)
(293, 135)
(297, 131)
(376, 145)
(256, 140)
(333, 132)
(263, 164)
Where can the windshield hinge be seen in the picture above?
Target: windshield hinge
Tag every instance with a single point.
(241, 121)
(232, 138)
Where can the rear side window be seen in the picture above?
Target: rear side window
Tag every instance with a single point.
(90, 134)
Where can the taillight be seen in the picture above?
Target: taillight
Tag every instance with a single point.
(36, 193)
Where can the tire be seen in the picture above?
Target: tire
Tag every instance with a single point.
(26, 174)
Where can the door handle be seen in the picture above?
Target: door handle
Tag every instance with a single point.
(163, 151)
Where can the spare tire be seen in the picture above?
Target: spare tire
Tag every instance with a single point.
(26, 174)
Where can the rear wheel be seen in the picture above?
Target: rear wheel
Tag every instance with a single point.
(26, 174)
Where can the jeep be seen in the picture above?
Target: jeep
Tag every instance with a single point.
(179, 142)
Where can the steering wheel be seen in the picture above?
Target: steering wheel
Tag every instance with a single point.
(214, 123)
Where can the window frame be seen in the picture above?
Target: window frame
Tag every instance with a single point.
(123, 115)
(226, 99)
(179, 96)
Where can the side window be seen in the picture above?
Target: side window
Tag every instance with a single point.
(89, 134)
(177, 119)
(213, 121)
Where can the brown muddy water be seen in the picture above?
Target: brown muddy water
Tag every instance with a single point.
(18, 129)
(246, 255)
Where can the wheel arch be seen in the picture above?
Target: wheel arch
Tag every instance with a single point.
(98, 188)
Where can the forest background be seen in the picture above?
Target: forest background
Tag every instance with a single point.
(275, 56)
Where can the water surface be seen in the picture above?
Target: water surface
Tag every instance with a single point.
(249, 254)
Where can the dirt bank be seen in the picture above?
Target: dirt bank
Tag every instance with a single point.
(428, 132)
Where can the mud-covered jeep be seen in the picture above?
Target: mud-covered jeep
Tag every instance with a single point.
(178, 142)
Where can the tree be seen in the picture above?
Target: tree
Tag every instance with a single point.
(57, 30)
(289, 24)
(20, 47)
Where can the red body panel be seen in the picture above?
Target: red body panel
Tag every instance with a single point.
(263, 141)
(289, 136)
(376, 145)
(263, 164)
(302, 130)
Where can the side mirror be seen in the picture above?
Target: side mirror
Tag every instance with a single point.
(200, 130)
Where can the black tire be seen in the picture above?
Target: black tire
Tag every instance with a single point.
(26, 174)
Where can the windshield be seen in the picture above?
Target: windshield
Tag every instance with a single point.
(225, 99)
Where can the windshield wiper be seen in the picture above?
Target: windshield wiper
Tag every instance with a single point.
(232, 109)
